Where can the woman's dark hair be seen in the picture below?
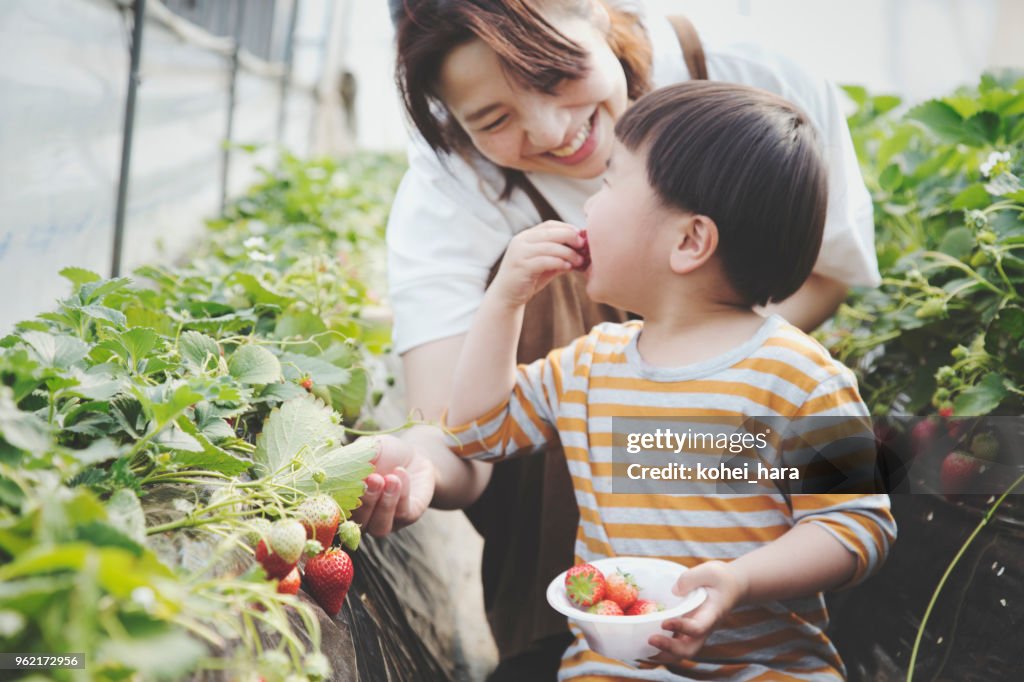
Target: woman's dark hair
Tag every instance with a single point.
(750, 161)
(531, 51)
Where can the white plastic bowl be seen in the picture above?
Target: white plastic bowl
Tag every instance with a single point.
(625, 637)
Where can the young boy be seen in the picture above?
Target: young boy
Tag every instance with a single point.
(714, 203)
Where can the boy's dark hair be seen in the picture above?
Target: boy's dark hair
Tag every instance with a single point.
(750, 161)
(531, 51)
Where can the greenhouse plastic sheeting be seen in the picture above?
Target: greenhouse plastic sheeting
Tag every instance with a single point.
(63, 82)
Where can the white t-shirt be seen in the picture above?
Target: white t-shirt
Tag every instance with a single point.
(448, 226)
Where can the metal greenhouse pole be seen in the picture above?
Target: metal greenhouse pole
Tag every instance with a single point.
(232, 97)
(286, 77)
(139, 19)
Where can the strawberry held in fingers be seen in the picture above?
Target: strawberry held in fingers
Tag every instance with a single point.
(320, 517)
(621, 589)
(585, 585)
(328, 577)
(584, 251)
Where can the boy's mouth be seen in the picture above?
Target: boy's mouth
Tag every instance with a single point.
(581, 146)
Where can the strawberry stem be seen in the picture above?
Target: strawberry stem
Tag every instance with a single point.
(949, 570)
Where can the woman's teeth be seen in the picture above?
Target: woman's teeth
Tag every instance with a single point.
(577, 142)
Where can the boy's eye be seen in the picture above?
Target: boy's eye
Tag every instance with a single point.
(495, 123)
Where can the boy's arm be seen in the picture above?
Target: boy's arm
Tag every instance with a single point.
(486, 371)
(805, 560)
(837, 540)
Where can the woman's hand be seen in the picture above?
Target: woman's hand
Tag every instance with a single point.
(398, 491)
(726, 588)
(534, 257)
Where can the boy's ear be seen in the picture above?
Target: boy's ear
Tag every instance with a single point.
(696, 241)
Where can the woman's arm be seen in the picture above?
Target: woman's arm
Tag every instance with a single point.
(417, 469)
(812, 304)
(429, 372)
(486, 371)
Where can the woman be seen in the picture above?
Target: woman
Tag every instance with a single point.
(513, 102)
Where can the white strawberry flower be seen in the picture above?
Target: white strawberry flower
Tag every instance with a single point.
(255, 243)
(996, 164)
(260, 257)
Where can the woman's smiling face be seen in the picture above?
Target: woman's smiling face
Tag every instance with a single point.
(567, 133)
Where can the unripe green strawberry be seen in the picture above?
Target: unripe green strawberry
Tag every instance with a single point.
(985, 446)
(287, 538)
(933, 307)
(350, 535)
(320, 516)
(606, 607)
(280, 551)
(328, 577)
(259, 528)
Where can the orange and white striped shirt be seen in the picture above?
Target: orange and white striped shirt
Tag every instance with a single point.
(574, 393)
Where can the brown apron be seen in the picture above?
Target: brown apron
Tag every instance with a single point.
(527, 515)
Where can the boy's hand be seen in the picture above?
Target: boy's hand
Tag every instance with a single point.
(534, 257)
(726, 588)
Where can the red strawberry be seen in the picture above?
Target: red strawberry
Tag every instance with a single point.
(328, 577)
(957, 471)
(584, 251)
(307, 383)
(922, 436)
(642, 607)
(290, 583)
(320, 517)
(621, 589)
(585, 585)
(956, 428)
(280, 551)
(946, 411)
(606, 608)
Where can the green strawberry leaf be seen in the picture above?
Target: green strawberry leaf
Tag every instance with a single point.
(23, 430)
(296, 366)
(209, 456)
(982, 398)
(252, 364)
(342, 470)
(298, 427)
(198, 349)
(57, 352)
(79, 276)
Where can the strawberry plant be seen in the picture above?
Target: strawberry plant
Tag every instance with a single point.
(157, 432)
(943, 331)
(942, 334)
